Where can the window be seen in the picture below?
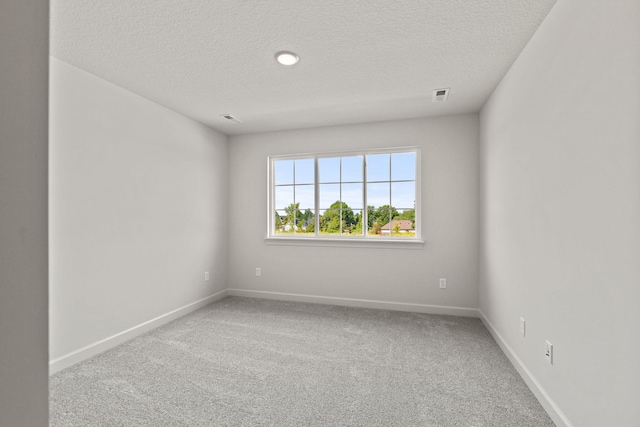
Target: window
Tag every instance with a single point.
(355, 195)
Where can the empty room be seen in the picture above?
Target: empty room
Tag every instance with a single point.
(302, 213)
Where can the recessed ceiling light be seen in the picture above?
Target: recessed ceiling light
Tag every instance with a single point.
(287, 58)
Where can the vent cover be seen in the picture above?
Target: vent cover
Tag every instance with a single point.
(440, 95)
(230, 118)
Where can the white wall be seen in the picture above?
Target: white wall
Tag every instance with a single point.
(560, 211)
(138, 210)
(449, 148)
(24, 57)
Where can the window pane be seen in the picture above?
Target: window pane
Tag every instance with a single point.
(352, 169)
(404, 226)
(379, 212)
(305, 171)
(373, 229)
(403, 195)
(330, 221)
(382, 217)
(355, 228)
(329, 169)
(329, 194)
(377, 219)
(378, 167)
(280, 221)
(352, 195)
(347, 217)
(284, 196)
(306, 222)
(305, 196)
(378, 194)
(291, 218)
(349, 222)
(403, 166)
(283, 171)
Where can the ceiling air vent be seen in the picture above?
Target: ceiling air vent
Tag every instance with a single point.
(230, 118)
(440, 95)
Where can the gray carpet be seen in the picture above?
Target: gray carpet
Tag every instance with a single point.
(251, 362)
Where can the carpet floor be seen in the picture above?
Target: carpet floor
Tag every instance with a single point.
(252, 362)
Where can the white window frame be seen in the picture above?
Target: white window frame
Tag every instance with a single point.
(341, 240)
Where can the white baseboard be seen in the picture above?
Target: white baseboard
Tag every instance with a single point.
(352, 302)
(545, 400)
(74, 357)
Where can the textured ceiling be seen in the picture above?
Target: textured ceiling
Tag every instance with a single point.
(360, 61)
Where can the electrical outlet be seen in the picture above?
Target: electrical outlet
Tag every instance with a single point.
(548, 353)
(522, 327)
(206, 276)
(443, 283)
(258, 272)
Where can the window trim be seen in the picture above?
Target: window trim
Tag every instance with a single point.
(340, 240)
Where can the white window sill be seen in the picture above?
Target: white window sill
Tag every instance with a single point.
(372, 243)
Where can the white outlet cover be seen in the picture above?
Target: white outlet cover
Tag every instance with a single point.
(522, 327)
(443, 283)
(258, 272)
(206, 275)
